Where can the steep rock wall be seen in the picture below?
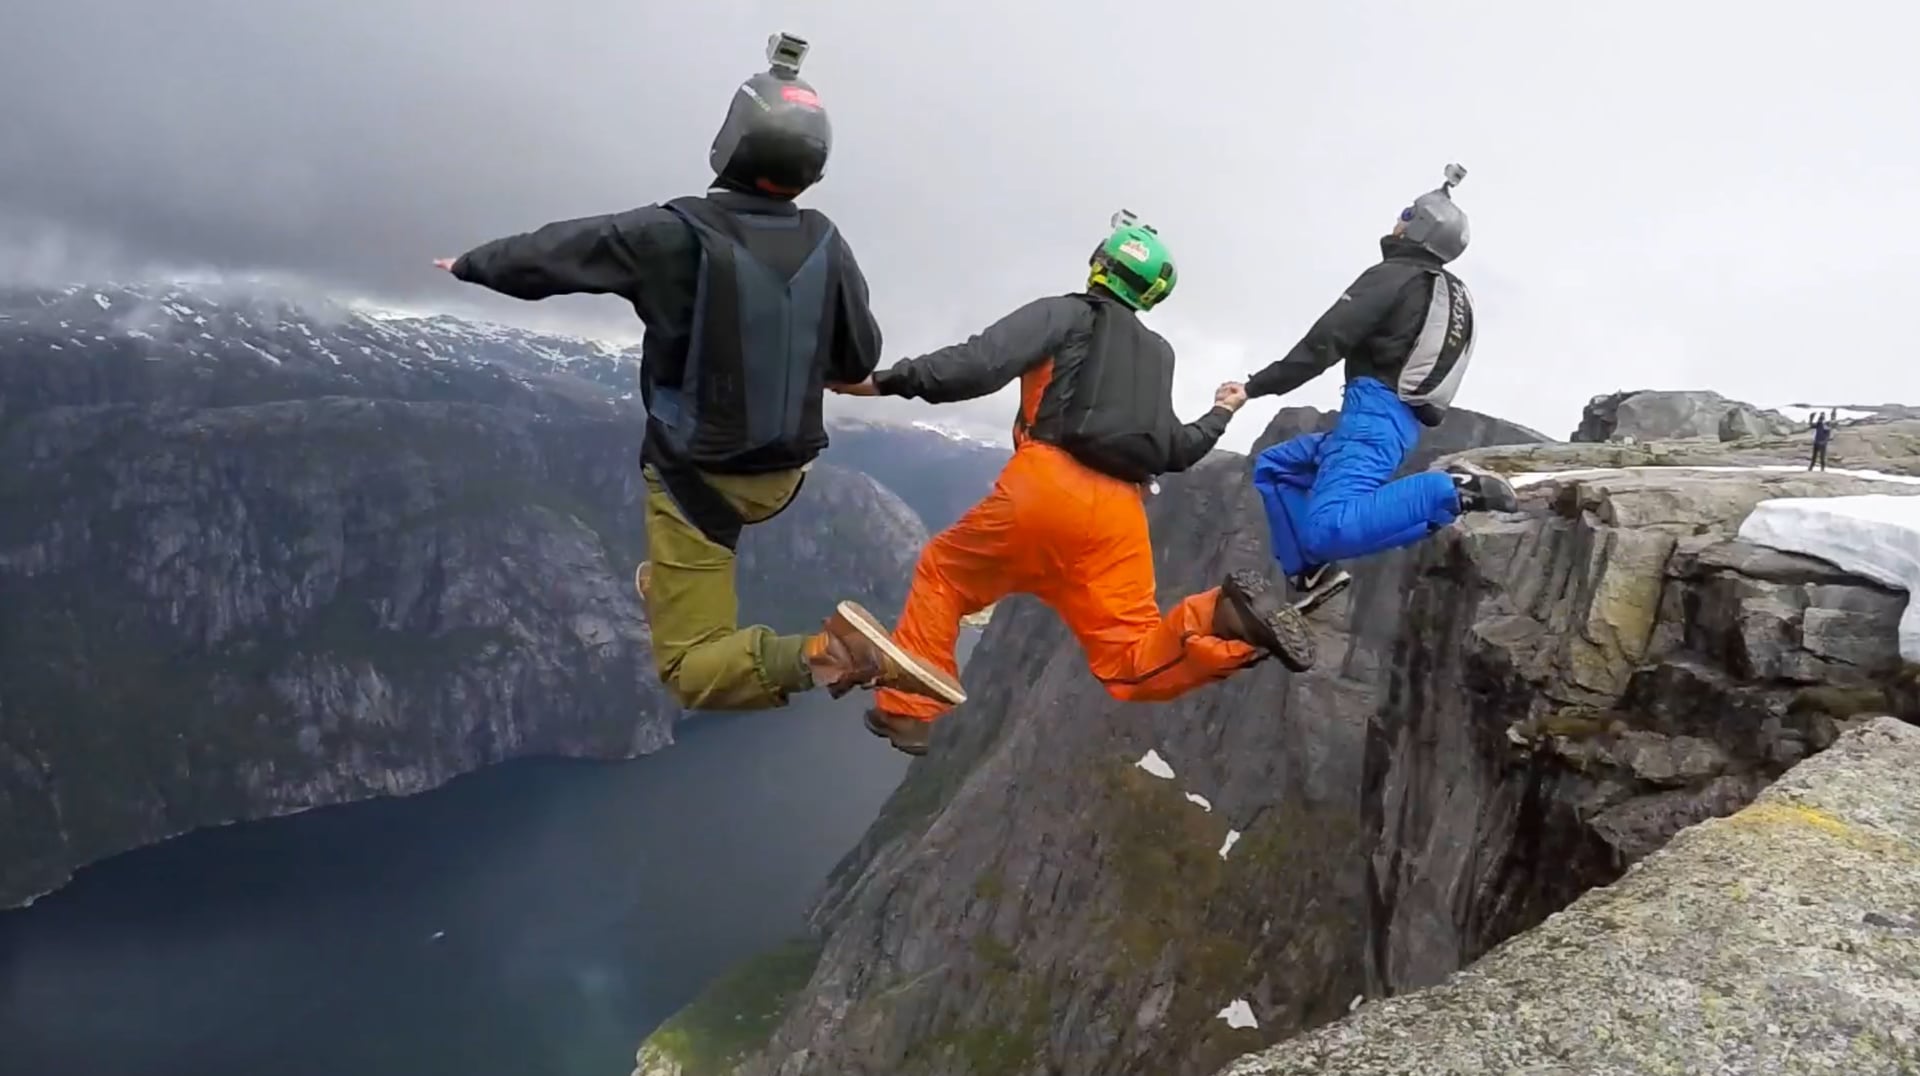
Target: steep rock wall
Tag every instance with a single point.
(1781, 939)
(1503, 717)
(254, 561)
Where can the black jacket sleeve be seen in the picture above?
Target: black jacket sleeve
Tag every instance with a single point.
(986, 362)
(1359, 310)
(603, 255)
(856, 334)
(1197, 438)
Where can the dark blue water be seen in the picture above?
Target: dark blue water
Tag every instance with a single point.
(536, 918)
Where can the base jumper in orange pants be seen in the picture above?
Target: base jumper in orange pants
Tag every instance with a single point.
(1066, 521)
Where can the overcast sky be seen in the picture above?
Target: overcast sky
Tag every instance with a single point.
(1680, 195)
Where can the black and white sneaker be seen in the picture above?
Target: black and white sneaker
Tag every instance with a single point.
(1483, 491)
(1316, 586)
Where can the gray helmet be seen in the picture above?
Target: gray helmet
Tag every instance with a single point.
(1434, 222)
(776, 136)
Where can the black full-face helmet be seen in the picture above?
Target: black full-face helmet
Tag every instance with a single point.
(776, 136)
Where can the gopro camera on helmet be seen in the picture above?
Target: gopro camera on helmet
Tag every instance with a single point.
(1455, 173)
(784, 54)
(1127, 218)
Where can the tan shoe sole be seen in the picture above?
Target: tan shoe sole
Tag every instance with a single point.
(917, 677)
(642, 580)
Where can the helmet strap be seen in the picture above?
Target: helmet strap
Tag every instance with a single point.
(1126, 273)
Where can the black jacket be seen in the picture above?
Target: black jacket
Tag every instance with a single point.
(651, 258)
(1374, 326)
(1132, 392)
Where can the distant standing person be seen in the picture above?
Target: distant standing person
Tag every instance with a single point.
(1822, 433)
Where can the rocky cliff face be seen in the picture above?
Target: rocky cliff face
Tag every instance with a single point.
(303, 560)
(1503, 717)
(1779, 940)
(1658, 415)
(1604, 672)
(1460, 430)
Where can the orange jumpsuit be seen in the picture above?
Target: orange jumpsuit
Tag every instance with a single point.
(1076, 539)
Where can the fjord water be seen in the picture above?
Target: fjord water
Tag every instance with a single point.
(539, 917)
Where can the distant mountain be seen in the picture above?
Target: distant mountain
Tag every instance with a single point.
(183, 346)
(258, 555)
(201, 347)
(939, 472)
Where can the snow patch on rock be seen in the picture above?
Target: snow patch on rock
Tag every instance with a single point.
(1875, 535)
(1239, 1014)
(1154, 764)
(1533, 477)
(1233, 838)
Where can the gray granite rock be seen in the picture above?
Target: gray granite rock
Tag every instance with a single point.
(1781, 939)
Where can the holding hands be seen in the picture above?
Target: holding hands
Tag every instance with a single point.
(1232, 395)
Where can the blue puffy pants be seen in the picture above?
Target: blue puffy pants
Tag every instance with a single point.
(1327, 496)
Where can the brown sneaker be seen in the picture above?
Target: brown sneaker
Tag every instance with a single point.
(1250, 611)
(855, 650)
(905, 733)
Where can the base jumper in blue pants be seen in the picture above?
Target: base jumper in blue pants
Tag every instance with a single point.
(1405, 331)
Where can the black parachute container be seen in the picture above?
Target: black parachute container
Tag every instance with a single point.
(748, 399)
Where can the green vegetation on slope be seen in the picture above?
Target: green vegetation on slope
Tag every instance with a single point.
(733, 1016)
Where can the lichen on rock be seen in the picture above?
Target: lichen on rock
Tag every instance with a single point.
(1779, 939)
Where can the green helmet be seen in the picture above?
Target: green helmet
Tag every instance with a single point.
(1133, 263)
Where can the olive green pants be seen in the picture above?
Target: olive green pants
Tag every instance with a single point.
(704, 657)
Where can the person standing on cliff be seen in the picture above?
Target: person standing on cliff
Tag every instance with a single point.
(1066, 521)
(751, 305)
(1822, 433)
(1405, 332)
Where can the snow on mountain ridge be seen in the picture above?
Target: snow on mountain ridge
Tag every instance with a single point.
(182, 323)
(954, 433)
(948, 432)
(222, 329)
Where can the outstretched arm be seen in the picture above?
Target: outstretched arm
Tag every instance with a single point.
(856, 334)
(1365, 303)
(1197, 438)
(990, 360)
(590, 255)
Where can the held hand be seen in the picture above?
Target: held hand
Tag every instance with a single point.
(1232, 396)
(864, 388)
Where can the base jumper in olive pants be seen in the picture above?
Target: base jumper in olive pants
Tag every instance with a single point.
(752, 307)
